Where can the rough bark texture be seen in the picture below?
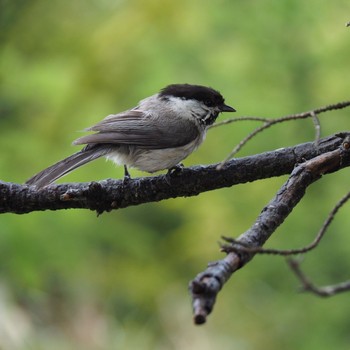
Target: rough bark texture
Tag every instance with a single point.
(205, 287)
(114, 194)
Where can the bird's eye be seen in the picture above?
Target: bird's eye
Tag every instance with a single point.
(208, 103)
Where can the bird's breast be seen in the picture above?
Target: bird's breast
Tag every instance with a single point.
(152, 160)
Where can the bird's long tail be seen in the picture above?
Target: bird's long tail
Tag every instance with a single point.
(65, 166)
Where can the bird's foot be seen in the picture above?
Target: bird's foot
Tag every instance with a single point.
(174, 171)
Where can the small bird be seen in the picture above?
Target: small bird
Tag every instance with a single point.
(157, 134)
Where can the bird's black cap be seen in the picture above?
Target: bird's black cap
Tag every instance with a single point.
(207, 95)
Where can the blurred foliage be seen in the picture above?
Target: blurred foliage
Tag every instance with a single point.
(72, 280)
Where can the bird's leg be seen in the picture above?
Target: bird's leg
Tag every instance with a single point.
(127, 176)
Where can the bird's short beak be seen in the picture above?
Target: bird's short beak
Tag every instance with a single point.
(226, 108)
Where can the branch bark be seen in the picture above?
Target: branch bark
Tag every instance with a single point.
(111, 194)
(205, 287)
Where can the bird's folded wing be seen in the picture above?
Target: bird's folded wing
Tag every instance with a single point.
(137, 128)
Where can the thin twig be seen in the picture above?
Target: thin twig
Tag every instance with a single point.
(303, 115)
(269, 122)
(239, 119)
(242, 143)
(307, 285)
(317, 126)
(284, 252)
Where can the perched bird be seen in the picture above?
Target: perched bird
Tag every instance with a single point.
(157, 134)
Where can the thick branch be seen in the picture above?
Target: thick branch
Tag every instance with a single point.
(114, 194)
(207, 284)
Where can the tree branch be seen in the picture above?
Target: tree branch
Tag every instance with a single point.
(111, 194)
(270, 122)
(206, 285)
(238, 246)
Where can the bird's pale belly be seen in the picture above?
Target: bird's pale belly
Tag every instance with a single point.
(152, 160)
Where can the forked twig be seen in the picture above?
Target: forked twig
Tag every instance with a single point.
(207, 284)
(269, 122)
(238, 246)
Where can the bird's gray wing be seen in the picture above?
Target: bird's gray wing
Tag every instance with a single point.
(135, 127)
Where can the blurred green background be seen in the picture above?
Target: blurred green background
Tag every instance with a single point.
(71, 280)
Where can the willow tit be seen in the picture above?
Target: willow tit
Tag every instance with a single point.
(156, 135)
